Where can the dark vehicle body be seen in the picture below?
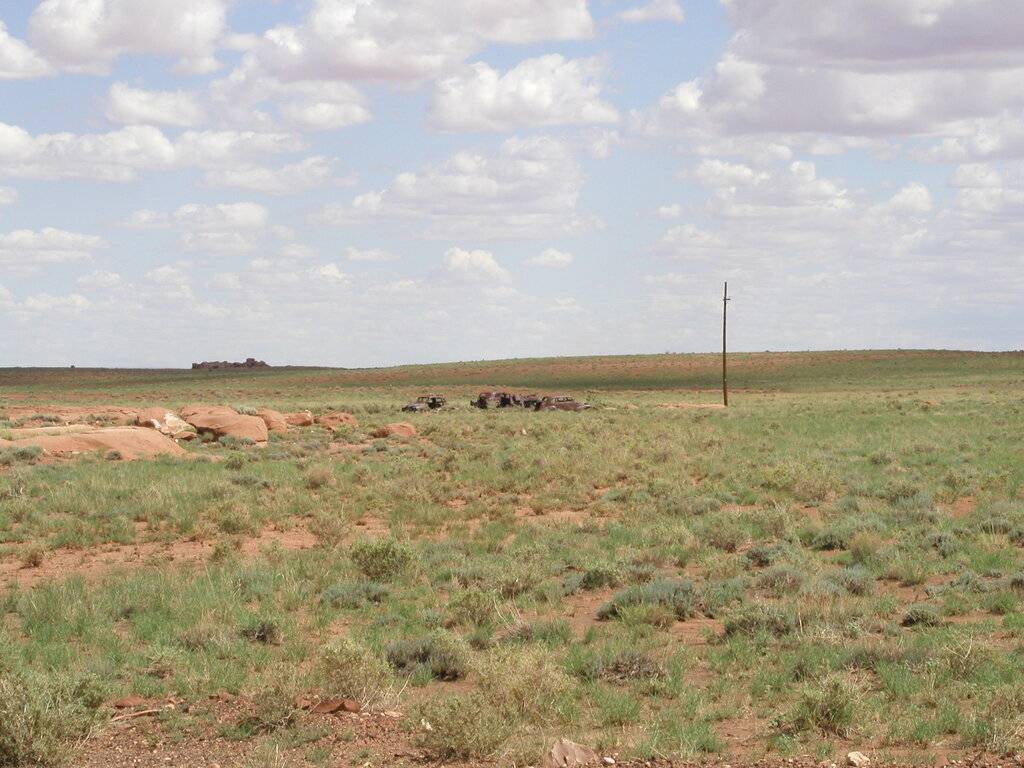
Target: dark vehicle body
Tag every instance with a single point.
(425, 403)
(560, 403)
(496, 400)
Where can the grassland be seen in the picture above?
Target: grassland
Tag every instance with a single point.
(834, 562)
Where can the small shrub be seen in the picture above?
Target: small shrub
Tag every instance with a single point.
(601, 576)
(921, 615)
(473, 606)
(676, 595)
(383, 560)
(318, 477)
(353, 671)
(523, 683)
(33, 556)
(351, 595)
(828, 706)
(40, 719)
(760, 618)
(631, 664)
(864, 545)
(857, 581)
(829, 540)
(265, 631)
(462, 727)
(444, 655)
(780, 580)
(553, 632)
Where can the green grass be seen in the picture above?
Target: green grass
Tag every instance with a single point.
(849, 530)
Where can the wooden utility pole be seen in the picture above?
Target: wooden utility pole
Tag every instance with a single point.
(725, 381)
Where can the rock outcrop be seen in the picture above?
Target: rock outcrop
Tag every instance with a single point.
(398, 429)
(336, 419)
(250, 362)
(116, 442)
(222, 421)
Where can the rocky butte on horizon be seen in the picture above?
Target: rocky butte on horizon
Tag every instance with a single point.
(250, 362)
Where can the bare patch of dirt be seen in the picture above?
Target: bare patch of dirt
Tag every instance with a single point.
(41, 415)
(962, 507)
(91, 563)
(697, 632)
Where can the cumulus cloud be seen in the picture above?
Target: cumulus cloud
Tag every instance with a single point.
(28, 247)
(308, 104)
(288, 179)
(17, 59)
(224, 228)
(656, 10)
(672, 211)
(408, 40)
(548, 90)
(100, 279)
(368, 254)
(529, 188)
(119, 156)
(474, 265)
(132, 106)
(89, 35)
(45, 302)
(818, 75)
(550, 257)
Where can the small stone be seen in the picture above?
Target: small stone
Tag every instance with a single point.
(858, 760)
(605, 760)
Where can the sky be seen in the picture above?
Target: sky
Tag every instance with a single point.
(376, 182)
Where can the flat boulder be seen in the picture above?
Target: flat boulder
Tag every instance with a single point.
(166, 422)
(337, 419)
(222, 421)
(300, 419)
(128, 443)
(274, 420)
(398, 429)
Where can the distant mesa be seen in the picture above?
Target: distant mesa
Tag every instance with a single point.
(250, 362)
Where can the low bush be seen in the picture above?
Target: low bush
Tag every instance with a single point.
(383, 560)
(462, 727)
(676, 595)
(444, 655)
(351, 670)
(353, 594)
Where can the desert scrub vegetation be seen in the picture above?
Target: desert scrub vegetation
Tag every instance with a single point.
(634, 577)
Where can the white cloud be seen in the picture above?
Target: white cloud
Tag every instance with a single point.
(305, 104)
(8, 195)
(131, 106)
(289, 179)
(332, 273)
(224, 228)
(673, 211)
(27, 247)
(550, 257)
(100, 279)
(120, 155)
(45, 302)
(225, 216)
(656, 10)
(545, 91)
(474, 265)
(17, 59)
(408, 40)
(817, 73)
(529, 189)
(368, 254)
(89, 35)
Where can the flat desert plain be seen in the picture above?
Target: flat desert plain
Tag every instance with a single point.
(833, 564)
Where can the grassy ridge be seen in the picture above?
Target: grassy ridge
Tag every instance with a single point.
(780, 371)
